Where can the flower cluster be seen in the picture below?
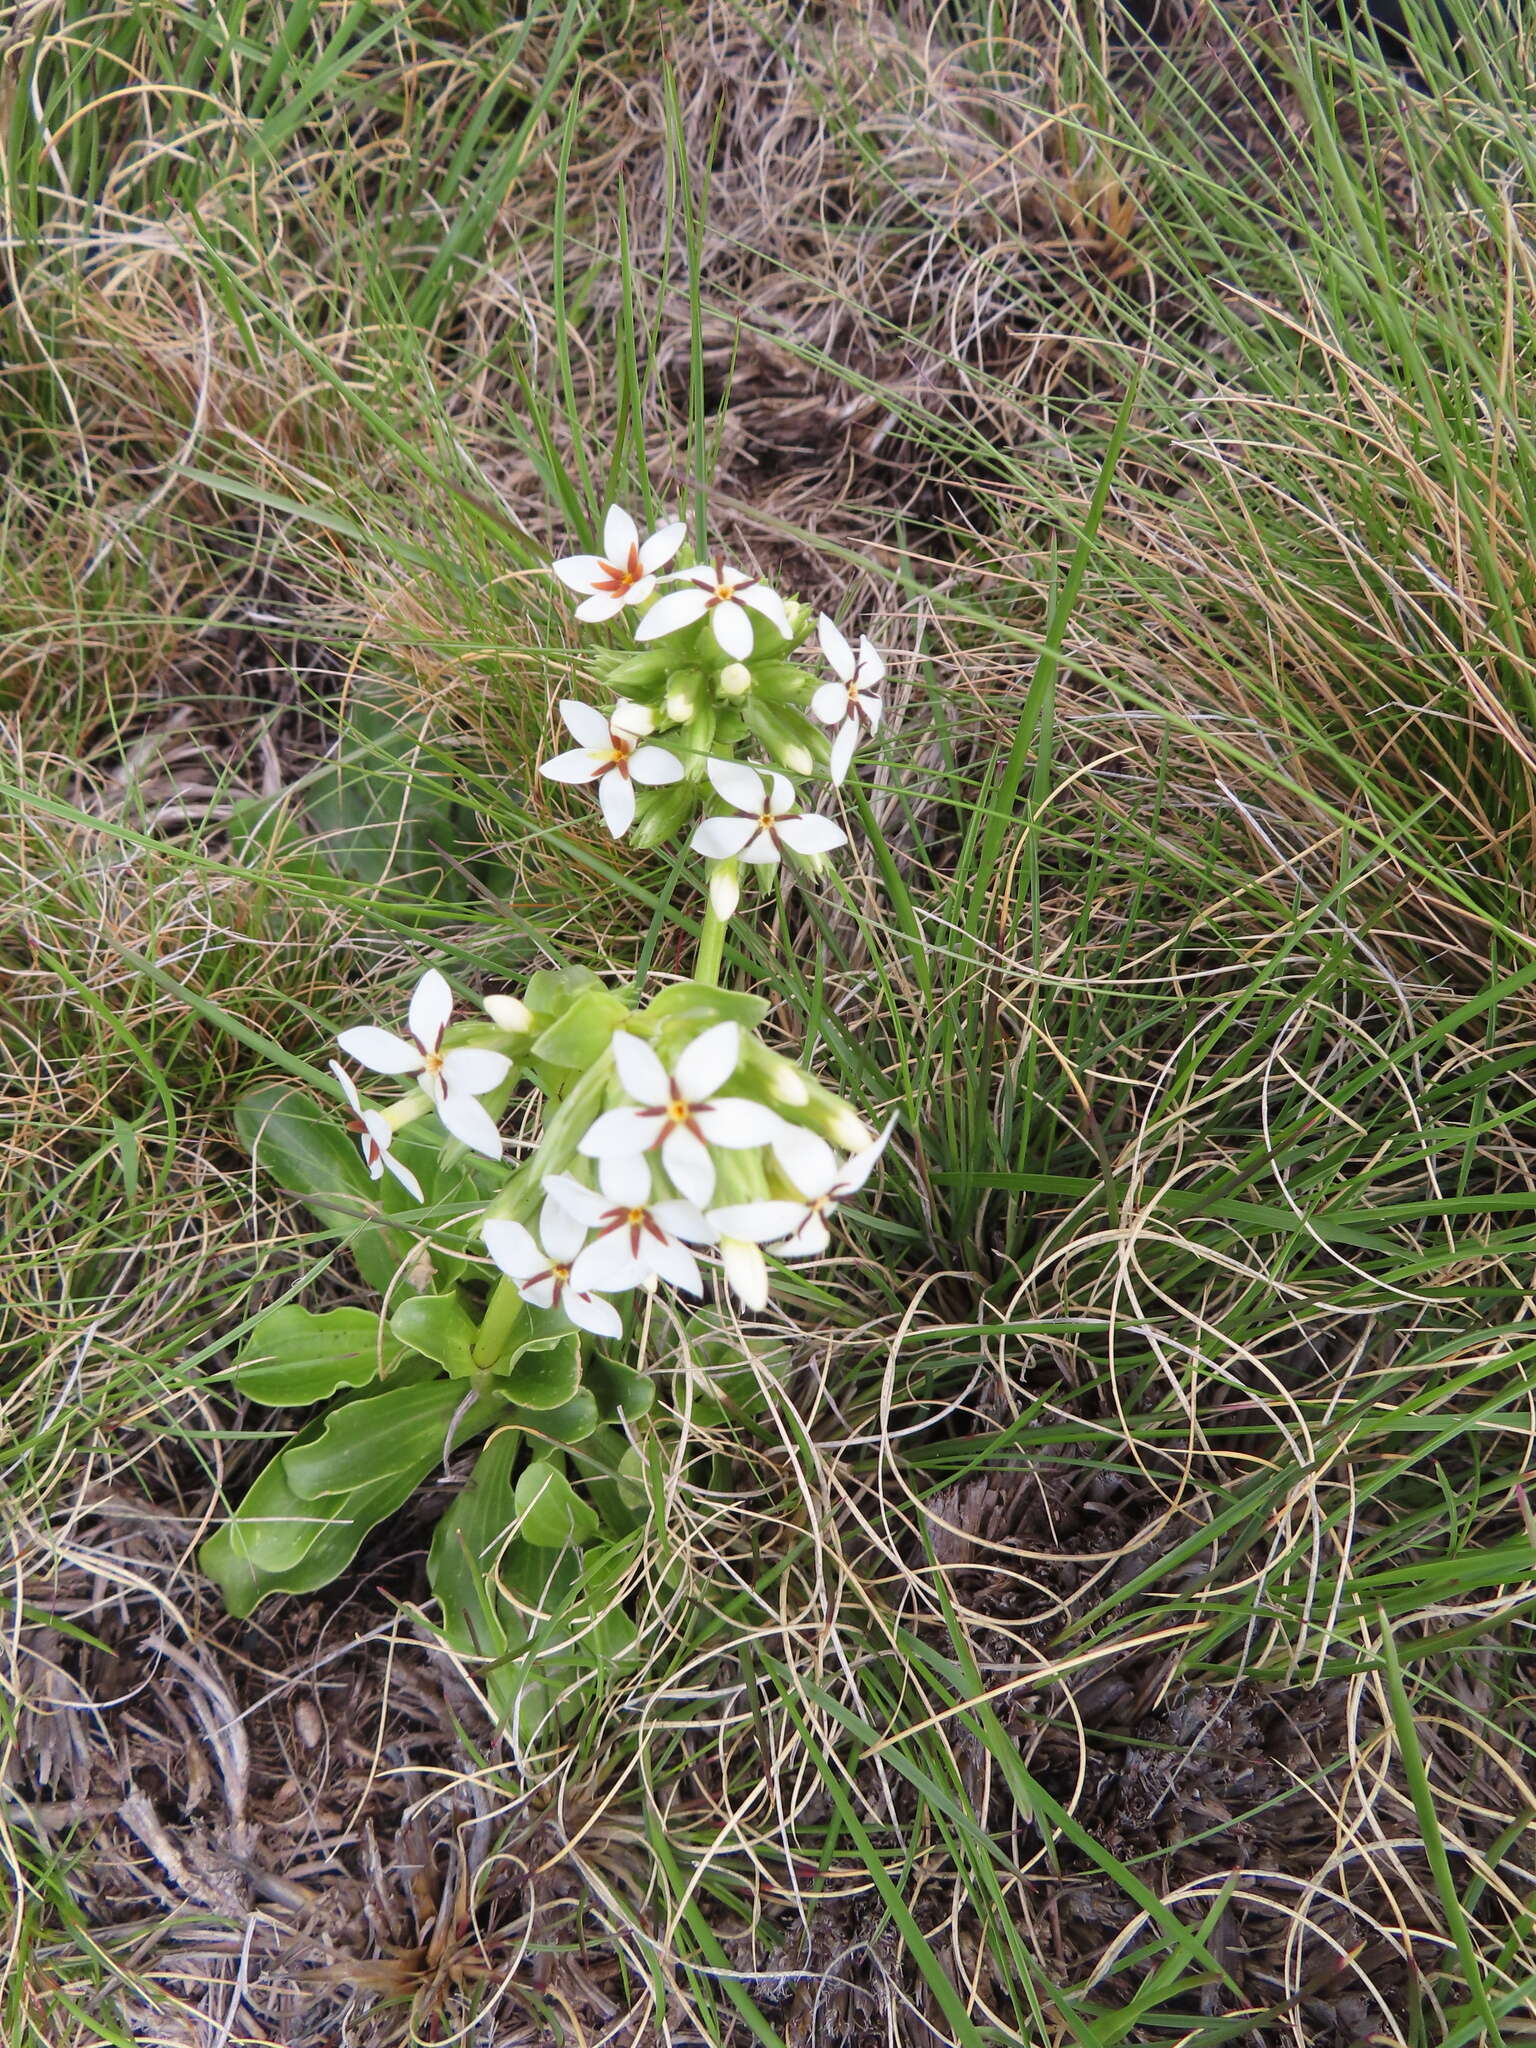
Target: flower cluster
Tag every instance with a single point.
(674, 1161)
(708, 682)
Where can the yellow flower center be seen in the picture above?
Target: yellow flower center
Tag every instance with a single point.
(679, 1111)
(432, 1063)
(636, 1218)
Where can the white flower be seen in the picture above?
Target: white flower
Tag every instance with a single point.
(374, 1135)
(765, 821)
(607, 755)
(625, 572)
(721, 592)
(680, 1112)
(638, 1239)
(811, 1165)
(849, 701)
(543, 1271)
(452, 1079)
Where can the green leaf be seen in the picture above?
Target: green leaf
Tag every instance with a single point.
(306, 1148)
(571, 1423)
(621, 1393)
(293, 1356)
(277, 1541)
(440, 1328)
(551, 992)
(404, 1430)
(581, 1035)
(464, 1547)
(550, 1513)
(376, 818)
(691, 1003)
(545, 1374)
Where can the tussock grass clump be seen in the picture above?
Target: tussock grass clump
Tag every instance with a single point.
(1099, 1615)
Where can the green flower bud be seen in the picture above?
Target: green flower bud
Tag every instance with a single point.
(660, 814)
(687, 691)
(781, 682)
(734, 680)
(790, 737)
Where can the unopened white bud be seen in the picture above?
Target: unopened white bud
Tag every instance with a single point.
(797, 759)
(735, 679)
(786, 1084)
(847, 1131)
(638, 719)
(747, 1271)
(724, 889)
(508, 1013)
(680, 706)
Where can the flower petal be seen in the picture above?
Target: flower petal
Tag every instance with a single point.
(758, 1221)
(602, 604)
(403, 1174)
(707, 1062)
(347, 1085)
(841, 758)
(732, 629)
(811, 834)
(871, 664)
(781, 796)
(607, 1265)
(858, 1169)
(512, 1247)
(682, 1219)
(808, 1242)
(471, 1123)
(747, 1271)
(654, 766)
(674, 1262)
(741, 786)
(830, 703)
(616, 800)
(620, 534)
(579, 765)
(380, 1051)
(561, 1232)
(579, 572)
(689, 1166)
(586, 725)
(541, 1293)
(839, 654)
(625, 1182)
(736, 1123)
(761, 850)
(589, 1312)
(873, 711)
(663, 544)
(671, 613)
(640, 1073)
(474, 1070)
(617, 1132)
(769, 604)
(586, 1204)
(723, 838)
(807, 1159)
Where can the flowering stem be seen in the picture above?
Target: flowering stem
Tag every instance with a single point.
(706, 968)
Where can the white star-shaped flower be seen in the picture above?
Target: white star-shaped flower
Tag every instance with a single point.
(811, 1164)
(849, 702)
(452, 1079)
(625, 572)
(374, 1135)
(609, 755)
(638, 1241)
(681, 1112)
(723, 593)
(542, 1270)
(765, 821)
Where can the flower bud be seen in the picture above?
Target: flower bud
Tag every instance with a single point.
(685, 693)
(788, 735)
(734, 680)
(779, 1079)
(747, 1271)
(724, 889)
(509, 1014)
(635, 719)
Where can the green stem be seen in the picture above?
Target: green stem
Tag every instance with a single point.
(496, 1324)
(706, 968)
